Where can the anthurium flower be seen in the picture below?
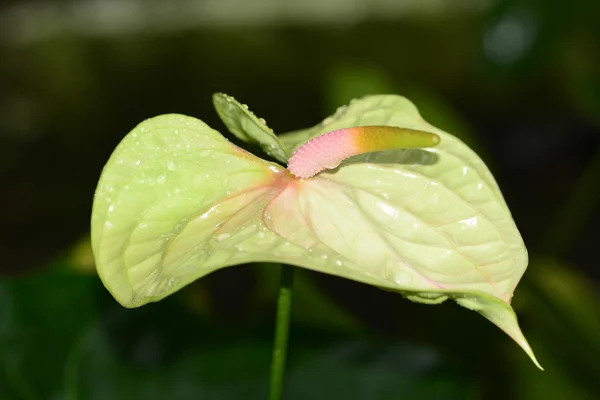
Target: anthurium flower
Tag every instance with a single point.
(376, 195)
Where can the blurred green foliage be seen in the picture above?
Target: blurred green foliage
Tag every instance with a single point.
(517, 80)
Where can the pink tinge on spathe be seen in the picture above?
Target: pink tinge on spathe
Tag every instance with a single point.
(323, 152)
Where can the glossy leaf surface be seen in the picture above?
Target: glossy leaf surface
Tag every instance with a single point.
(177, 201)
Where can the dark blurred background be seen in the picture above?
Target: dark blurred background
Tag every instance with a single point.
(519, 81)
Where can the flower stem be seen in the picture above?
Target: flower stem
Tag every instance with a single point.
(284, 302)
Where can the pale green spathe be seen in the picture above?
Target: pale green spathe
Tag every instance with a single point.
(177, 201)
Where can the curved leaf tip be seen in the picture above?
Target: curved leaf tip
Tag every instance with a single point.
(500, 314)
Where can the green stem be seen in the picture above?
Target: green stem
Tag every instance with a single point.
(282, 323)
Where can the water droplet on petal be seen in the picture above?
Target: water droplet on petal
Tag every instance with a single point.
(222, 237)
(402, 278)
(172, 282)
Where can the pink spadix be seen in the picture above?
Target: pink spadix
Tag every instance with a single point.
(330, 149)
